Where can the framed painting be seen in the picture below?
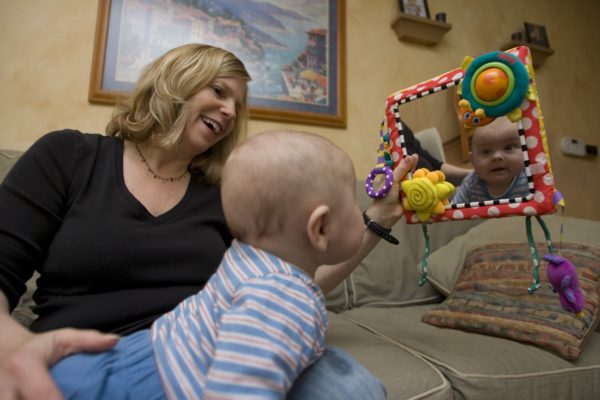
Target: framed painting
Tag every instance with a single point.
(536, 34)
(417, 8)
(294, 50)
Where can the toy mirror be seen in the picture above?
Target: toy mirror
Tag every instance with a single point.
(499, 102)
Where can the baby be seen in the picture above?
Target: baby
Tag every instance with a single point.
(288, 198)
(498, 167)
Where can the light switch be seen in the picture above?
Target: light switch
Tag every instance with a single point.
(573, 146)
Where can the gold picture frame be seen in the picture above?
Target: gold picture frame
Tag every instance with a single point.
(297, 78)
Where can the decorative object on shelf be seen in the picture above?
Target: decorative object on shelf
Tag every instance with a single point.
(536, 34)
(418, 8)
(517, 36)
(415, 29)
(539, 53)
(441, 16)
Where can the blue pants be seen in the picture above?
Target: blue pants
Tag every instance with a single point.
(337, 375)
(129, 371)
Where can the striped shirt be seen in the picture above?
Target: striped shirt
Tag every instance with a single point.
(257, 324)
(474, 189)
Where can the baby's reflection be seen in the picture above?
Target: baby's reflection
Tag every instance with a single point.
(497, 158)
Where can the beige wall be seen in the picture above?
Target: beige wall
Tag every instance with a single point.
(46, 51)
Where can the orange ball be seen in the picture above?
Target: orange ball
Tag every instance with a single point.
(491, 84)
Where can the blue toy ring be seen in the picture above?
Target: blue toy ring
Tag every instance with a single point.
(387, 186)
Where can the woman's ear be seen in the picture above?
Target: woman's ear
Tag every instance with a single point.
(317, 228)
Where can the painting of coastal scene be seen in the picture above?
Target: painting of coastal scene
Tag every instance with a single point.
(288, 46)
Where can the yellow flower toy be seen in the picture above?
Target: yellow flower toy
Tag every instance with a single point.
(426, 193)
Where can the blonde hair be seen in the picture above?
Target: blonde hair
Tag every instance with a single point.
(158, 106)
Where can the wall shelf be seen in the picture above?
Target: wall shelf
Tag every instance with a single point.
(419, 30)
(538, 53)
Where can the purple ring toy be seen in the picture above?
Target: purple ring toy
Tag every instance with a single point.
(389, 177)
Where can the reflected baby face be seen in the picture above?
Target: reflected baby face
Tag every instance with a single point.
(496, 154)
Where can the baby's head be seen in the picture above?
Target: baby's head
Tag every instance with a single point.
(496, 154)
(295, 189)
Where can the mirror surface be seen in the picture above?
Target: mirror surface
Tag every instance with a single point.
(513, 174)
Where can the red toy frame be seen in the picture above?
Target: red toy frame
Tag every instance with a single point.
(533, 140)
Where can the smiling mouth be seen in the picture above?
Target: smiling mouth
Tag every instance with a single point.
(214, 126)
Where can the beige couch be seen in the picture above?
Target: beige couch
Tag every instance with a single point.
(376, 316)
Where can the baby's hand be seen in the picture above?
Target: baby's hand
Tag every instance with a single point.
(388, 210)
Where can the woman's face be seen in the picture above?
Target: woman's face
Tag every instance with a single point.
(212, 113)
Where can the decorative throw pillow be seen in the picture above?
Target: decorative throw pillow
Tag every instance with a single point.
(445, 264)
(491, 297)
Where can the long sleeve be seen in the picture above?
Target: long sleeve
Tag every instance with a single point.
(105, 262)
(463, 192)
(257, 324)
(33, 200)
(271, 334)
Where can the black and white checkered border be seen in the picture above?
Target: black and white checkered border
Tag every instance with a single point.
(397, 104)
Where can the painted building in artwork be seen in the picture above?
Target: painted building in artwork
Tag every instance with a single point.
(306, 77)
(316, 50)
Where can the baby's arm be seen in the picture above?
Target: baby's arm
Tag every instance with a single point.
(275, 330)
(462, 193)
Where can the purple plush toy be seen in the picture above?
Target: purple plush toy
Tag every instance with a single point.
(564, 281)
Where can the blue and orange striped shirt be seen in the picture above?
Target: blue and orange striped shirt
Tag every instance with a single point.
(474, 189)
(257, 324)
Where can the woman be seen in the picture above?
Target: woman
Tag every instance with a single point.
(122, 227)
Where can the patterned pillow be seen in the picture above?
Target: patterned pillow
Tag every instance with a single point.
(491, 297)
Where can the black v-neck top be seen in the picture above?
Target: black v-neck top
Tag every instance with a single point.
(105, 262)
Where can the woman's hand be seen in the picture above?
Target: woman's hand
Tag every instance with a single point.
(388, 210)
(24, 367)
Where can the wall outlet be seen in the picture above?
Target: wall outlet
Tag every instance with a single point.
(573, 146)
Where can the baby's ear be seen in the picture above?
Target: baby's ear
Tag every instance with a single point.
(317, 228)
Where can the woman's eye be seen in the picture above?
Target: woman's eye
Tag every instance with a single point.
(218, 90)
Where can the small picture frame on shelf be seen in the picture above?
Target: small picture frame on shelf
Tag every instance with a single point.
(417, 8)
(536, 34)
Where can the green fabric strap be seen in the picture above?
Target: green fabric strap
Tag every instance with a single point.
(423, 277)
(536, 260)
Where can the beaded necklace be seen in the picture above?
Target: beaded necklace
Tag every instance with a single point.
(154, 174)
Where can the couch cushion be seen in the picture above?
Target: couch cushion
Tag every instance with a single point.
(445, 265)
(404, 374)
(491, 296)
(486, 367)
(7, 159)
(387, 275)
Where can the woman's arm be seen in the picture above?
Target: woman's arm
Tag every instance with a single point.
(454, 174)
(25, 357)
(386, 212)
